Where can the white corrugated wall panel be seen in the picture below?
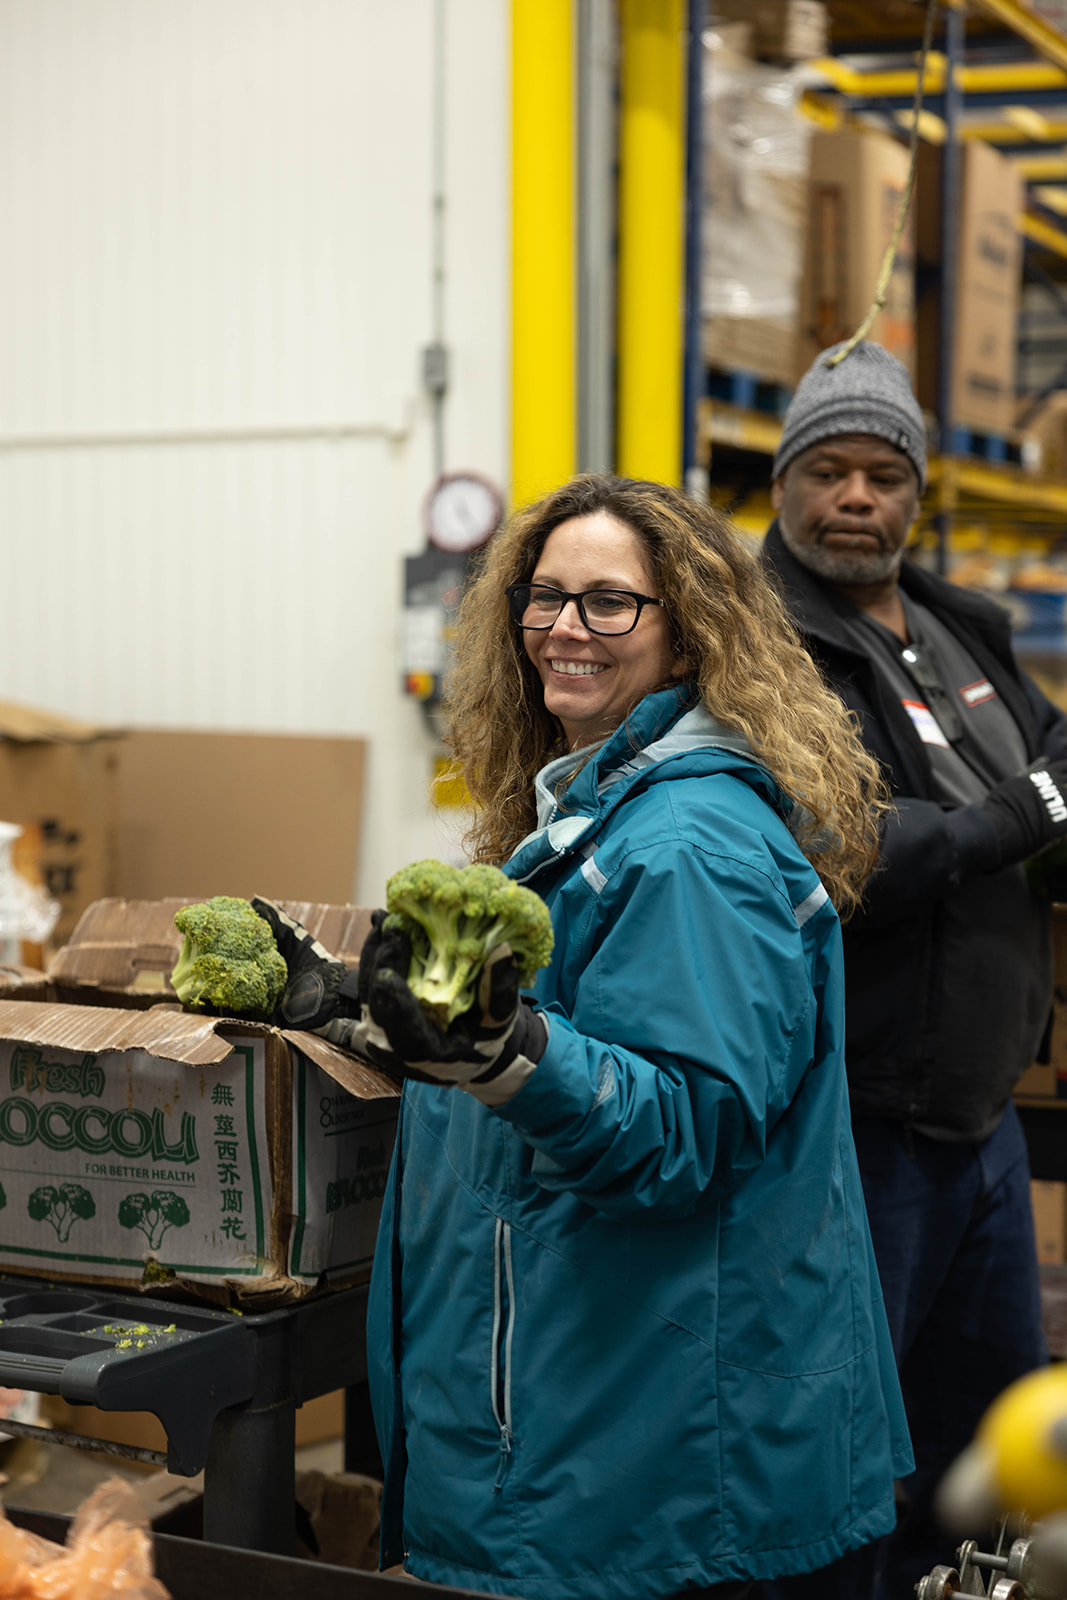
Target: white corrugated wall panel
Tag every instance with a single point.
(214, 288)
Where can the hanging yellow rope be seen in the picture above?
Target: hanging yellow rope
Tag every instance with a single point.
(881, 292)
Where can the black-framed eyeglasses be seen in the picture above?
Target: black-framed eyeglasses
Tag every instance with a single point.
(606, 611)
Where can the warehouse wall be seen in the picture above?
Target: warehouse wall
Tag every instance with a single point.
(214, 289)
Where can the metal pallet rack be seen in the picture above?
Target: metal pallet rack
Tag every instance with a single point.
(999, 73)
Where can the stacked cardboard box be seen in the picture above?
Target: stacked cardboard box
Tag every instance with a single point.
(141, 1144)
(202, 812)
(857, 183)
(782, 30)
(988, 280)
(1049, 1204)
(59, 782)
(148, 813)
(1045, 432)
(755, 210)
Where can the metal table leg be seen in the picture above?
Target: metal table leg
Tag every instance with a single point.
(361, 1442)
(249, 1479)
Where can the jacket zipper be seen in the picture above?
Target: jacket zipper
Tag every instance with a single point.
(503, 1330)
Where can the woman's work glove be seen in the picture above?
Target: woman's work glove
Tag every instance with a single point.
(320, 988)
(489, 1050)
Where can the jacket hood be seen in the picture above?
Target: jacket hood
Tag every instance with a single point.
(668, 735)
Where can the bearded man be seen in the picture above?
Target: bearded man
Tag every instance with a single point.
(948, 966)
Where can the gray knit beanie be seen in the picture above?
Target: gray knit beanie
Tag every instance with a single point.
(868, 392)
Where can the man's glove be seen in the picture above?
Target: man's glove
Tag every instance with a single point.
(1015, 820)
(320, 987)
(489, 1050)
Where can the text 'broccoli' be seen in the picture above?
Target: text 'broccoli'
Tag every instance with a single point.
(228, 959)
(454, 917)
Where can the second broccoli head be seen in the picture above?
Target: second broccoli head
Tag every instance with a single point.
(228, 959)
(454, 917)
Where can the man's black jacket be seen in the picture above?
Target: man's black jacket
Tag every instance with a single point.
(901, 977)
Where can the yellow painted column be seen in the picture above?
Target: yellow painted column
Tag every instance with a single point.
(651, 240)
(543, 364)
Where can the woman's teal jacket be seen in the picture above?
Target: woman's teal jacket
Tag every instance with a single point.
(625, 1332)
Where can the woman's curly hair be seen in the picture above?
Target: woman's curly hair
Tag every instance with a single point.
(726, 621)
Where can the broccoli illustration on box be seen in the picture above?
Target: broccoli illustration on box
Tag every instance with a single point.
(61, 1207)
(153, 1213)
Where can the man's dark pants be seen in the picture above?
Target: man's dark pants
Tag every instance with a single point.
(954, 1238)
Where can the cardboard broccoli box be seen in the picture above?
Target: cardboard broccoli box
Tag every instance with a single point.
(144, 1144)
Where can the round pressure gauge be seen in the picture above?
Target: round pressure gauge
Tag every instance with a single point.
(462, 511)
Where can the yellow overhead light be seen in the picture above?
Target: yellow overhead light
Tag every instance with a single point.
(1054, 199)
(1027, 120)
(931, 127)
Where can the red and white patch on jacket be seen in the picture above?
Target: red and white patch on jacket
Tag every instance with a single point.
(973, 694)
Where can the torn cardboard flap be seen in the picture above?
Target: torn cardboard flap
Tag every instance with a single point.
(164, 1031)
(352, 1073)
(175, 1035)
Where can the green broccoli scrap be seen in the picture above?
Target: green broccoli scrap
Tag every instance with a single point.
(454, 917)
(228, 959)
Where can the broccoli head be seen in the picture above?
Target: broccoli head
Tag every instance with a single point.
(454, 917)
(228, 959)
(61, 1207)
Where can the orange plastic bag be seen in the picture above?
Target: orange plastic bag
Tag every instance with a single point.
(108, 1552)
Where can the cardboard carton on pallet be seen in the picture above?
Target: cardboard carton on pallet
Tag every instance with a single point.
(987, 289)
(858, 177)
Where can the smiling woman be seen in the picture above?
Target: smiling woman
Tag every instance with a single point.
(638, 1231)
